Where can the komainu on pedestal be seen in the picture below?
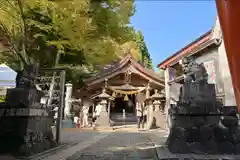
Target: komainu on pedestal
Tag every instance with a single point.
(25, 124)
(201, 124)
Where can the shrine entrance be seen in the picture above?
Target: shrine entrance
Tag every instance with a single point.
(121, 104)
(117, 87)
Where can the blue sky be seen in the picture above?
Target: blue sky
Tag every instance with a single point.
(169, 25)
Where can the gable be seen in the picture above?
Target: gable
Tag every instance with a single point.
(128, 63)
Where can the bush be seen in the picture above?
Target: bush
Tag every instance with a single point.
(2, 99)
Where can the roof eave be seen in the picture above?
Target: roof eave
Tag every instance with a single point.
(199, 48)
(181, 50)
(128, 59)
(122, 63)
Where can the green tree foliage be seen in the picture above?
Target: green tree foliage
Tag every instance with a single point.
(78, 33)
(145, 55)
(2, 99)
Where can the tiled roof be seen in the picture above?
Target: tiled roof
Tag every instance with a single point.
(184, 51)
(118, 65)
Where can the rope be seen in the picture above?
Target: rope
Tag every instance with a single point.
(127, 92)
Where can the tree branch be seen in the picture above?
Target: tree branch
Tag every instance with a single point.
(8, 35)
(24, 31)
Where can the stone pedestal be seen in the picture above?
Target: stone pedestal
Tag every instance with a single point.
(103, 121)
(150, 118)
(200, 127)
(158, 120)
(25, 124)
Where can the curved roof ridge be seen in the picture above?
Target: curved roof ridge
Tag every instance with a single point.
(128, 58)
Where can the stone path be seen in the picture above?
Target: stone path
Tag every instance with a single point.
(84, 139)
(121, 144)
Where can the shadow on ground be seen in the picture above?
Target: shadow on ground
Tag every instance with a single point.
(118, 153)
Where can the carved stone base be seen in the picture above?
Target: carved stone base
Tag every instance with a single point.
(217, 133)
(24, 136)
(158, 120)
(25, 126)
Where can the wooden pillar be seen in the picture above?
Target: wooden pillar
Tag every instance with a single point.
(167, 96)
(148, 91)
(93, 108)
(228, 12)
(109, 106)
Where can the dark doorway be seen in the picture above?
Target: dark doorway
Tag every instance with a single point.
(120, 104)
(116, 111)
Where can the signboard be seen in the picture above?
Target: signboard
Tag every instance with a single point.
(175, 91)
(210, 67)
(172, 73)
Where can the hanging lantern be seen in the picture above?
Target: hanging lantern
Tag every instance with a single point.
(126, 98)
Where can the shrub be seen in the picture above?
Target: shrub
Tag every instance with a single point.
(2, 99)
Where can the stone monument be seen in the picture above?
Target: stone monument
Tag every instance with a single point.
(25, 124)
(200, 124)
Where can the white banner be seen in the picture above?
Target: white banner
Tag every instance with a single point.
(172, 73)
(210, 67)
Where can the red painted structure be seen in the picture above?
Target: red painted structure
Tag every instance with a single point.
(229, 13)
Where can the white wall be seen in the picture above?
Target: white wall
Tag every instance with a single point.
(224, 68)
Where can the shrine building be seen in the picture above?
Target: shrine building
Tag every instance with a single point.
(207, 49)
(125, 83)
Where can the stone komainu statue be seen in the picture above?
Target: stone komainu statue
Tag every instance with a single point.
(27, 76)
(193, 71)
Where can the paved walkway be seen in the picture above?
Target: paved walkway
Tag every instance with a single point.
(122, 144)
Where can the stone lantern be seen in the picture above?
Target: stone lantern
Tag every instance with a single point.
(103, 119)
(156, 98)
(156, 118)
(104, 97)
